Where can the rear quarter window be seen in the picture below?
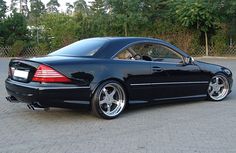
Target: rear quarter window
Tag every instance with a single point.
(86, 47)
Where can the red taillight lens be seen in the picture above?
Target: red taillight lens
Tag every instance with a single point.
(47, 74)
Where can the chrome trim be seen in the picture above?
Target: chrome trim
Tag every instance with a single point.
(156, 42)
(183, 97)
(169, 83)
(82, 87)
(13, 82)
(137, 101)
(76, 102)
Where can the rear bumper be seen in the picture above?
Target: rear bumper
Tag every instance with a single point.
(48, 94)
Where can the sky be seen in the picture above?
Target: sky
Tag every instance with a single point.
(62, 3)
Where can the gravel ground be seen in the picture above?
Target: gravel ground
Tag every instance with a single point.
(187, 127)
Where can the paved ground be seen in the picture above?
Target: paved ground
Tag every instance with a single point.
(190, 127)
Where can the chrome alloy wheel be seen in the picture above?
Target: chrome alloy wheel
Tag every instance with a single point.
(112, 99)
(218, 88)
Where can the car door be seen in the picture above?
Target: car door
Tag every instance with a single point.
(171, 77)
(137, 74)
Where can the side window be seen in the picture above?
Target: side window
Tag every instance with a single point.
(157, 52)
(124, 55)
(162, 52)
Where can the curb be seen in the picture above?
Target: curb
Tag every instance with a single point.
(215, 57)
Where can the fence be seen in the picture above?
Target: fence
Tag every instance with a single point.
(200, 51)
(26, 52)
(213, 51)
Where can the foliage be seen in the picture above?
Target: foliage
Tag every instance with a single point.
(182, 22)
(80, 6)
(17, 47)
(37, 8)
(219, 41)
(59, 29)
(13, 28)
(3, 9)
(52, 6)
(191, 13)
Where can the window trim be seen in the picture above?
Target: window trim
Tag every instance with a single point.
(172, 50)
(148, 42)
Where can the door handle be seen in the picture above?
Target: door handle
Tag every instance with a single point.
(157, 69)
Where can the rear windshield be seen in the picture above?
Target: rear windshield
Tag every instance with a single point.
(86, 47)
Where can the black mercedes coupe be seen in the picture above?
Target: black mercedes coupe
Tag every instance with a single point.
(109, 73)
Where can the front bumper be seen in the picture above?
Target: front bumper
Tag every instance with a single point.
(48, 94)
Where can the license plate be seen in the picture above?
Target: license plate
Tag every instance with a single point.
(21, 74)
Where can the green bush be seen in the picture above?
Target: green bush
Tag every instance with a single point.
(17, 48)
(219, 42)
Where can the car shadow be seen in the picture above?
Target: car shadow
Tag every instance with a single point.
(84, 112)
(163, 104)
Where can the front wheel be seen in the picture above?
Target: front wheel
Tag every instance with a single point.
(218, 87)
(109, 100)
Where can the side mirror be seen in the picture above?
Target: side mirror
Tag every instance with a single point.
(189, 60)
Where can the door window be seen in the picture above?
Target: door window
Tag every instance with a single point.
(157, 52)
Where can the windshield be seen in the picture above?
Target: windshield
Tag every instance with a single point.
(86, 47)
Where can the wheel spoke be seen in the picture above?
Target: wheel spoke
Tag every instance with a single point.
(112, 93)
(105, 91)
(212, 92)
(116, 102)
(102, 102)
(221, 85)
(108, 108)
(217, 81)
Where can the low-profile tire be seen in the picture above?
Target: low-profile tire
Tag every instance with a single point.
(109, 100)
(218, 87)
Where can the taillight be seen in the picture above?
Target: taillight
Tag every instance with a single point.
(11, 71)
(47, 74)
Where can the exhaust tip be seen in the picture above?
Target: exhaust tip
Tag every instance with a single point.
(12, 99)
(30, 106)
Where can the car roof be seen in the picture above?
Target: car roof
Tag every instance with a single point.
(114, 45)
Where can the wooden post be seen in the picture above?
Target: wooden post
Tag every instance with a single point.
(206, 43)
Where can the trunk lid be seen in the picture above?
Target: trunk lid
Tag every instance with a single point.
(23, 70)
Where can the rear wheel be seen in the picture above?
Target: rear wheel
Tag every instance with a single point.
(218, 87)
(109, 100)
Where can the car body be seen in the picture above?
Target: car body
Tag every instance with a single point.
(138, 70)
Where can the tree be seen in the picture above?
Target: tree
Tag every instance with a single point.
(52, 6)
(80, 6)
(59, 29)
(14, 28)
(13, 6)
(20, 6)
(98, 7)
(127, 15)
(69, 9)
(228, 9)
(37, 8)
(24, 7)
(196, 14)
(3, 8)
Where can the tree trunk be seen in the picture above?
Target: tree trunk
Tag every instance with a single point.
(21, 7)
(230, 41)
(125, 28)
(206, 43)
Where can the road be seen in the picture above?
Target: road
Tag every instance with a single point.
(187, 127)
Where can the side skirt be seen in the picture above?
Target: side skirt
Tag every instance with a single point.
(168, 99)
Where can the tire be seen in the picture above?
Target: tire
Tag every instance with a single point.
(218, 88)
(109, 100)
